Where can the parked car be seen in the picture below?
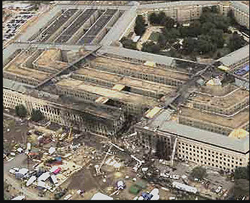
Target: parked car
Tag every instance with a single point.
(218, 189)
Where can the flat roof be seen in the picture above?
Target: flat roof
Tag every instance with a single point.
(169, 126)
(109, 93)
(235, 56)
(221, 101)
(151, 113)
(15, 67)
(116, 63)
(118, 87)
(49, 58)
(232, 122)
(239, 5)
(174, 4)
(89, 72)
(125, 80)
(13, 85)
(101, 100)
(139, 55)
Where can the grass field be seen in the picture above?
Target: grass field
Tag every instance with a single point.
(154, 36)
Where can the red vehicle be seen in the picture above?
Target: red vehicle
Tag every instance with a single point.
(57, 170)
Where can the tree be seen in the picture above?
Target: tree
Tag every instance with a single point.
(189, 45)
(214, 9)
(171, 34)
(150, 47)
(21, 111)
(162, 18)
(206, 10)
(36, 115)
(153, 18)
(184, 31)
(194, 29)
(221, 22)
(236, 42)
(231, 16)
(162, 41)
(140, 26)
(216, 36)
(170, 22)
(206, 27)
(128, 43)
(205, 44)
(198, 172)
(240, 188)
(241, 173)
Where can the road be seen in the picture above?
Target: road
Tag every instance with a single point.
(18, 161)
(11, 116)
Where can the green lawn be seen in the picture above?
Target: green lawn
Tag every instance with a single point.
(154, 36)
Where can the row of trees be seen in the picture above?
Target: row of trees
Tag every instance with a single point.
(205, 35)
(36, 114)
(128, 43)
(140, 25)
(161, 19)
(241, 182)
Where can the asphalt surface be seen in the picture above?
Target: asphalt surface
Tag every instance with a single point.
(19, 161)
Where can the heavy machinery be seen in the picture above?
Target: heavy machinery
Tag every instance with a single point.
(98, 169)
(70, 136)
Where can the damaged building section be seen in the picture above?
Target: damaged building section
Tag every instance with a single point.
(201, 124)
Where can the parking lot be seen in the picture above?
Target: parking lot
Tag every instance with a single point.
(13, 25)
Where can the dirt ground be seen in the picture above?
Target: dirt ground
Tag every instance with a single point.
(14, 131)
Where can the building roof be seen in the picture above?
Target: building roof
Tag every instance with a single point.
(120, 27)
(18, 67)
(118, 64)
(235, 121)
(105, 92)
(235, 56)
(124, 80)
(139, 55)
(16, 86)
(211, 138)
(241, 6)
(224, 102)
(176, 3)
(151, 113)
(50, 58)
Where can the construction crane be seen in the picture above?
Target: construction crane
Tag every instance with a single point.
(70, 136)
(98, 169)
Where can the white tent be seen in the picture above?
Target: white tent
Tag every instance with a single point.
(155, 193)
(44, 176)
(21, 197)
(30, 181)
(100, 196)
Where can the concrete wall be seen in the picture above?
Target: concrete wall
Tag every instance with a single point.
(59, 114)
(194, 151)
